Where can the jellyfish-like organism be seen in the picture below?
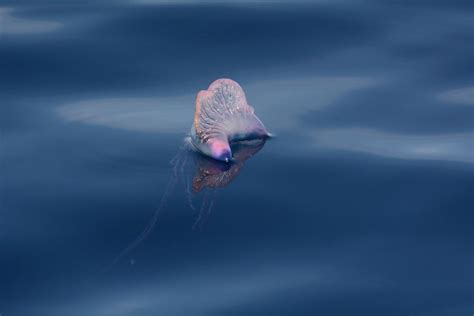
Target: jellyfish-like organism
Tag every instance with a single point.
(223, 116)
(227, 132)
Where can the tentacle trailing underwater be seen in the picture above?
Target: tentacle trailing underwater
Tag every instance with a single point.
(209, 175)
(177, 162)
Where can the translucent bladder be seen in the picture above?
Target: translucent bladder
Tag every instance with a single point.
(223, 116)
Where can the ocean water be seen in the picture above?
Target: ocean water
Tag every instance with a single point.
(360, 205)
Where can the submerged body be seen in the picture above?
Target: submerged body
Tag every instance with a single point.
(223, 116)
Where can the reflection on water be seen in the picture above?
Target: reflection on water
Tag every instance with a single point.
(10, 25)
(214, 174)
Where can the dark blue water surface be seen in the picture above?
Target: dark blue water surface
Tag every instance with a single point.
(361, 205)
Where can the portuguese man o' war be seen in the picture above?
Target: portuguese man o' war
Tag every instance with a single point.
(222, 117)
(227, 132)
